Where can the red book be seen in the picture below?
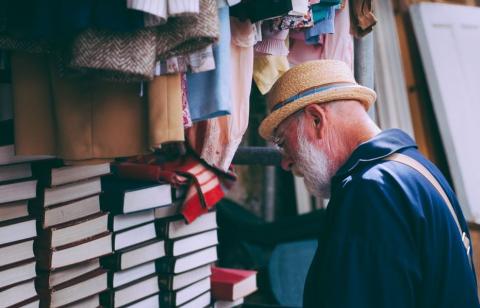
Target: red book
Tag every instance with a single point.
(230, 284)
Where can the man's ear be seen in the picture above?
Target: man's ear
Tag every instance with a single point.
(316, 117)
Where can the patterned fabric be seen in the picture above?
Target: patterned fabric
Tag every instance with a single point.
(153, 7)
(187, 119)
(216, 140)
(132, 54)
(204, 189)
(200, 61)
(293, 22)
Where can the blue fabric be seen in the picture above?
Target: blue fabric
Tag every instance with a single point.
(389, 239)
(209, 93)
(58, 19)
(324, 26)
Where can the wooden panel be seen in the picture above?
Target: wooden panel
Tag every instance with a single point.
(449, 40)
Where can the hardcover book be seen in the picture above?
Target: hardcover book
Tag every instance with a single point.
(232, 284)
(134, 236)
(176, 265)
(72, 232)
(121, 222)
(54, 173)
(17, 274)
(130, 293)
(13, 210)
(15, 172)
(123, 196)
(18, 190)
(182, 296)
(19, 293)
(60, 257)
(66, 212)
(51, 279)
(175, 282)
(135, 255)
(17, 230)
(180, 228)
(15, 253)
(69, 192)
(190, 244)
(74, 290)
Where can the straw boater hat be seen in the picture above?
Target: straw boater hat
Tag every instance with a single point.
(318, 81)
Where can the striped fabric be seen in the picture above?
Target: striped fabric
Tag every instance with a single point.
(204, 189)
(154, 7)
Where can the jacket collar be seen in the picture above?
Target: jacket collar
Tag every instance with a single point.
(379, 147)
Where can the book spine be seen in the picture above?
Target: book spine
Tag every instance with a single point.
(42, 282)
(167, 299)
(44, 239)
(165, 265)
(107, 299)
(161, 229)
(112, 262)
(112, 203)
(44, 258)
(166, 282)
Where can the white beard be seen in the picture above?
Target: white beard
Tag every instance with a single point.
(314, 165)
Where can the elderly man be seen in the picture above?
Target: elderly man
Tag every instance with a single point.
(394, 234)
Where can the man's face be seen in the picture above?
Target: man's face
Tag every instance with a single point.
(305, 156)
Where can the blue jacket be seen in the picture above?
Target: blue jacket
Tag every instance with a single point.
(389, 239)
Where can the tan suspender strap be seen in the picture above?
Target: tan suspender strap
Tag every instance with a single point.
(407, 160)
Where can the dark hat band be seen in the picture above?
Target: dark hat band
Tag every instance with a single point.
(311, 92)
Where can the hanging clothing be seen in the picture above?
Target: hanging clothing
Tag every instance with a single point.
(324, 26)
(273, 41)
(293, 22)
(209, 93)
(165, 110)
(362, 17)
(74, 119)
(337, 46)
(84, 120)
(255, 10)
(216, 140)
(187, 118)
(267, 69)
(131, 55)
(157, 8)
(183, 7)
(197, 62)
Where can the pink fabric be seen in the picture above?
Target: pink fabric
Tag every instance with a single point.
(187, 119)
(273, 41)
(337, 46)
(216, 140)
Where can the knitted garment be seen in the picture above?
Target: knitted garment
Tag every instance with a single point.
(131, 56)
(273, 41)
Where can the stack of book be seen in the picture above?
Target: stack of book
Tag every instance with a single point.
(230, 286)
(184, 273)
(134, 206)
(73, 234)
(17, 231)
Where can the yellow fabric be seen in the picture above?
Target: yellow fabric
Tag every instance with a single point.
(165, 110)
(267, 69)
(84, 120)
